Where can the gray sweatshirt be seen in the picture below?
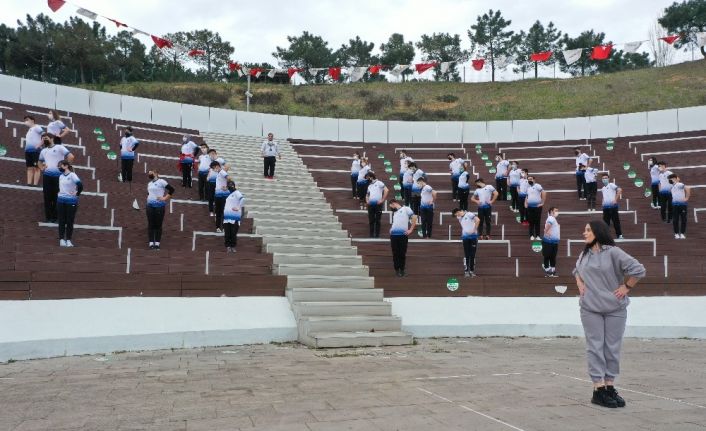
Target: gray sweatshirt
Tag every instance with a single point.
(602, 272)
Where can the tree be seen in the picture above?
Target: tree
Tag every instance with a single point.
(176, 56)
(216, 52)
(305, 51)
(33, 54)
(490, 39)
(586, 40)
(7, 39)
(128, 55)
(537, 39)
(397, 51)
(81, 47)
(620, 61)
(442, 47)
(686, 18)
(357, 53)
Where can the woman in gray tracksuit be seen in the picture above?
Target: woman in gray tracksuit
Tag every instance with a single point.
(604, 276)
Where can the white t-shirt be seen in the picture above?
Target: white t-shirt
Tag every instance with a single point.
(222, 184)
(408, 178)
(484, 195)
(270, 148)
(664, 186)
(211, 173)
(654, 174)
(155, 190)
(455, 166)
(427, 197)
(590, 174)
(463, 180)
(51, 156)
(610, 195)
(554, 230)
(524, 185)
(404, 161)
(234, 200)
(501, 168)
(362, 173)
(375, 191)
(514, 176)
(582, 159)
(204, 163)
(679, 194)
(355, 166)
(534, 195)
(127, 147)
(68, 187)
(400, 221)
(56, 127)
(417, 175)
(188, 151)
(469, 230)
(33, 140)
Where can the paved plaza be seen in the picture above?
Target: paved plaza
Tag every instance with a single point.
(438, 384)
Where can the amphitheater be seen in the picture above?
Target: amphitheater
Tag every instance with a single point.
(306, 271)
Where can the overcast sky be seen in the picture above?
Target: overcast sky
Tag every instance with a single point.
(256, 28)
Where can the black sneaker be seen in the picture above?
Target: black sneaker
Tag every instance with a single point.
(602, 398)
(614, 394)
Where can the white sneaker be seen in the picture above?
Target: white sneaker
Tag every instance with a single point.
(620, 237)
(212, 214)
(677, 236)
(69, 244)
(219, 230)
(682, 236)
(62, 243)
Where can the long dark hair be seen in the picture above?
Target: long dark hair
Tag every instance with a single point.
(601, 232)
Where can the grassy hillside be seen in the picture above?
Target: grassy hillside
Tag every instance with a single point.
(676, 86)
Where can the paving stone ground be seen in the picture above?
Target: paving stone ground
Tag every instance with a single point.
(439, 384)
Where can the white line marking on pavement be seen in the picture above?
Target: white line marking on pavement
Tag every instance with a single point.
(622, 388)
(470, 409)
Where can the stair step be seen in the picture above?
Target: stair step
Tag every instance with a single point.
(342, 308)
(299, 239)
(357, 339)
(311, 269)
(301, 231)
(275, 247)
(331, 223)
(337, 294)
(329, 281)
(315, 324)
(316, 259)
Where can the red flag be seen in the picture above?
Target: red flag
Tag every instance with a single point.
(670, 39)
(334, 73)
(232, 66)
(374, 70)
(256, 71)
(195, 52)
(423, 67)
(162, 43)
(117, 23)
(541, 56)
(55, 5)
(292, 70)
(478, 64)
(601, 52)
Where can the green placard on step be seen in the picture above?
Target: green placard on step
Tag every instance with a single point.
(536, 246)
(484, 157)
(640, 183)
(381, 156)
(518, 218)
(609, 147)
(632, 174)
(626, 166)
(105, 147)
(388, 170)
(398, 197)
(648, 192)
(397, 187)
(387, 163)
(478, 151)
(112, 156)
(452, 284)
(393, 177)
(100, 138)
(3, 150)
(97, 131)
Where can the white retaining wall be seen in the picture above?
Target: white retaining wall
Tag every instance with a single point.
(205, 119)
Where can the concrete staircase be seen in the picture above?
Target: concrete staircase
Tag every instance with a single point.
(332, 295)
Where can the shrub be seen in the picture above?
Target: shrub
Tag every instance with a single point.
(266, 98)
(375, 104)
(447, 98)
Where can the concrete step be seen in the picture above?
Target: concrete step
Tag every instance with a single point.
(332, 223)
(270, 217)
(313, 324)
(336, 294)
(316, 259)
(272, 208)
(356, 339)
(342, 308)
(347, 250)
(313, 281)
(278, 198)
(304, 192)
(300, 231)
(311, 269)
(311, 240)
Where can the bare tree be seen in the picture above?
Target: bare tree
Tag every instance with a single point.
(662, 52)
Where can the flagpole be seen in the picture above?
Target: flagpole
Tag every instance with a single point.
(248, 94)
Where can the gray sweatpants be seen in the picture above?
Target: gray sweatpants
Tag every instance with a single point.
(604, 339)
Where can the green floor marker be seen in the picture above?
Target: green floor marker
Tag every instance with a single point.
(398, 197)
(381, 156)
(112, 156)
(3, 151)
(648, 192)
(626, 166)
(632, 174)
(478, 151)
(388, 170)
(492, 170)
(452, 284)
(488, 164)
(484, 157)
(518, 218)
(100, 138)
(97, 131)
(393, 177)
(536, 246)
(105, 147)
(397, 187)
(639, 182)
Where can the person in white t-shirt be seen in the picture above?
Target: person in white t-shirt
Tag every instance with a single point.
(70, 189)
(375, 199)
(158, 194)
(355, 168)
(221, 193)
(513, 180)
(680, 199)
(611, 195)
(469, 237)
(49, 159)
(484, 196)
(581, 159)
(665, 192)
(426, 206)
(502, 169)
(189, 152)
(464, 188)
(204, 162)
(550, 242)
(33, 146)
(362, 181)
(270, 153)
(232, 214)
(654, 181)
(403, 224)
(590, 186)
(455, 168)
(57, 127)
(128, 145)
(405, 160)
(536, 196)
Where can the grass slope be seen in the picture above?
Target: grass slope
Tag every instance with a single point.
(675, 86)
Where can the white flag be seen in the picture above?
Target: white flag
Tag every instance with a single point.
(272, 73)
(504, 61)
(135, 205)
(315, 70)
(701, 38)
(397, 70)
(444, 67)
(87, 13)
(572, 55)
(357, 73)
(631, 47)
(136, 31)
